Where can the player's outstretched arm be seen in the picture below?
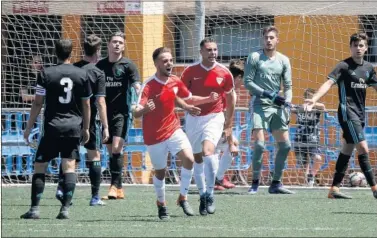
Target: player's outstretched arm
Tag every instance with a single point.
(310, 103)
(320, 106)
(34, 112)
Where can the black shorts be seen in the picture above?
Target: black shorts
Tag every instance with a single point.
(51, 147)
(304, 152)
(118, 126)
(95, 139)
(353, 131)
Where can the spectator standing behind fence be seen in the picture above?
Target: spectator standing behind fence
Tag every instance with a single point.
(307, 139)
(28, 81)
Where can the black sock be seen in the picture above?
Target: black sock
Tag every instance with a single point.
(275, 182)
(37, 187)
(367, 170)
(69, 188)
(120, 169)
(340, 169)
(61, 176)
(116, 164)
(95, 176)
(310, 177)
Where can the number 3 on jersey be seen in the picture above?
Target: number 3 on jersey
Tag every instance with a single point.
(68, 85)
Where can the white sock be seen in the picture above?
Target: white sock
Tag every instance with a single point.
(186, 176)
(159, 188)
(224, 164)
(199, 177)
(211, 164)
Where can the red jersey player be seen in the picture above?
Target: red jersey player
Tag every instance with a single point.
(204, 131)
(161, 127)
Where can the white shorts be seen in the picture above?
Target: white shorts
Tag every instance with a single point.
(223, 144)
(159, 152)
(201, 128)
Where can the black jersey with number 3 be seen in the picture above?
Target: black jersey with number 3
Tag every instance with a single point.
(120, 77)
(353, 80)
(65, 86)
(97, 82)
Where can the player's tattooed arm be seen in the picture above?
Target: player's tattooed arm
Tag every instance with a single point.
(140, 110)
(34, 112)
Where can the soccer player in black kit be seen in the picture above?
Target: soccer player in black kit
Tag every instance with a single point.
(352, 75)
(121, 75)
(66, 92)
(98, 118)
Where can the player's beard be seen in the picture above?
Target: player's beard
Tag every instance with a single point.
(269, 49)
(165, 72)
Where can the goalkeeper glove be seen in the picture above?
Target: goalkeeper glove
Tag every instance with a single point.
(275, 98)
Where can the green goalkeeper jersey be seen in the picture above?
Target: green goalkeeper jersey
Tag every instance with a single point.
(263, 73)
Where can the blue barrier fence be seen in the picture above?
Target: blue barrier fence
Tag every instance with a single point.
(17, 157)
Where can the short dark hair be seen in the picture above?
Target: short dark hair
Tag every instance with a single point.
(358, 37)
(157, 52)
(270, 28)
(63, 49)
(309, 91)
(207, 40)
(236, 67)
(118, 33)
(37, 58)
(92, 44)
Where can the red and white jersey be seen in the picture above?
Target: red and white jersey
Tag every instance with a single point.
(162, 122)
(201, 81)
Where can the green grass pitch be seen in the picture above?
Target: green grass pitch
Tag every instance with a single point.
(308, 213)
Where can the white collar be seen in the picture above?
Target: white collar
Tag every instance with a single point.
(160, 81)
(208, 69)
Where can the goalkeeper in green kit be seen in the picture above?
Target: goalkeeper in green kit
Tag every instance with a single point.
(265, 71)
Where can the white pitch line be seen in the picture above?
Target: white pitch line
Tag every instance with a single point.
(191, 186)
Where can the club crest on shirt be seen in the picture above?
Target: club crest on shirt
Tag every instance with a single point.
(219, 80)
(361, 80)
(175, 90)
(118, 71)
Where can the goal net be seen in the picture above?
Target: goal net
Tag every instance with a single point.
(313, 34)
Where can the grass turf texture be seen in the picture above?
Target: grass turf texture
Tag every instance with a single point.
(307, 213)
